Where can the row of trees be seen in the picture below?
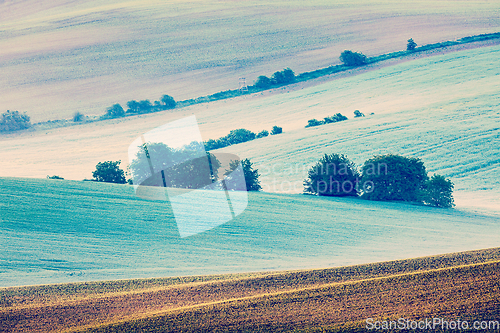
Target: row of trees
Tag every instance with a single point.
(327, 120)
(385, 177)
(279, 78)
(238, 136)
(140, 107)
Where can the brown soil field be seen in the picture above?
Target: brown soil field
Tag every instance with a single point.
(460, 285)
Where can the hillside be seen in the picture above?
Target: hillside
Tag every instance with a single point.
(66, 56)
(442, 109)
(457, 285)
(61, 231)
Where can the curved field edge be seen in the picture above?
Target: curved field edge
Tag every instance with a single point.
(419, 52)
(261, 301)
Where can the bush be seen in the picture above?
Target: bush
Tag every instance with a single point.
(13, 121)
(262, 134)
(115, 111)
(167, 102)
(350, 58)
(276, 130)
(263, 82)
(314, 122)
(438, 192)
(251, 175)
(336, 118)
(109, 172)
(285, 76)
(55, 177)
(78, 116)
(333, 175)
(358, 114)
(234, 137)
(393, 177)
(411, 45)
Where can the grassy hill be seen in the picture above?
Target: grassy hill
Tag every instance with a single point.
(62, 231)
(442, 109)
(66, 56)
(459, 285)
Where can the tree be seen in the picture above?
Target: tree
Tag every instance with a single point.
(332, 175)
(14, 121)
(411, 45)
(109, 172)
(115, 111)
(358, 114)
(262, 134)
(314, 122)
(393, 177)
(335, 118)
(156, 164)
(133, 107)
(78, 116)
(251, 175)
(263, 82)
(240, 135)
(276, 130)
(168, 102)
(55, 177)
(285, 76)
(352, 59)
(438, 192)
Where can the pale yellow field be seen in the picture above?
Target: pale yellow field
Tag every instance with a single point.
(66, 56)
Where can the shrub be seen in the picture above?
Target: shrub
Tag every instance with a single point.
(333, 175)
(276, 130)
(234, 137)
(350, 58)
(167, 102)
(251, 175)
(115, 111)
(314, 122)
(336, 118)
(285, 76)
(109, 172)
(438, 192)
(358, 114)
(393, 177)
(263, 82)
(55, 177)
(78, 116)
(411, 45)
(239, 136)
(14, 121)
(262, 134)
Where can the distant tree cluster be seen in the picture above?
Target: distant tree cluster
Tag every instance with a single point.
(239, 136)
(14, 121)
(353, 59)
(279, 78)
(384, 178)
(140, 107)
(327, 120)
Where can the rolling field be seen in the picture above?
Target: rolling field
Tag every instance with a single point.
(62, 56)
(443, 109)
(66, 231)
(460, 285)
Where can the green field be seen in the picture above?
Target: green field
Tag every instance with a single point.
(65, 231)
(460, 285)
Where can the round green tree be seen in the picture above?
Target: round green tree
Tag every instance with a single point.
(109, 172)
(333, 175)
(393, 177)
